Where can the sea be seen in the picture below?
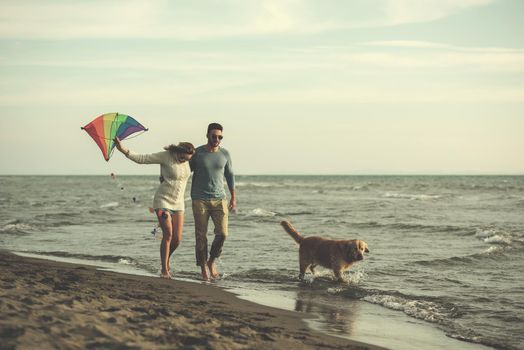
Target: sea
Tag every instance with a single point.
(445, 262)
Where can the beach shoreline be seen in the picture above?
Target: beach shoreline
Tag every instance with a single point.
(49, 304)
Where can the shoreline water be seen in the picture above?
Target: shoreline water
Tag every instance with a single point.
(369, 324)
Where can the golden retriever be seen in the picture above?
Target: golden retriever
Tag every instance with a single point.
(337, 255)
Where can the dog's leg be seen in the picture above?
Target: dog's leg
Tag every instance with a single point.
(312, 269)
(303, 268)
(338, 274)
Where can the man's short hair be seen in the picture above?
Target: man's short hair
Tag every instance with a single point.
(214, 126)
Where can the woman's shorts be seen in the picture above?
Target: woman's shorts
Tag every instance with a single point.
(163, 213)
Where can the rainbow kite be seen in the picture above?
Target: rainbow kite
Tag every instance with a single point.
(110, 125)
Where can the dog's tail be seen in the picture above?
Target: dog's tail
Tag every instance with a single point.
(292, 231)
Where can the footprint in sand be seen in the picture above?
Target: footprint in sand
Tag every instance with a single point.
(112, 320)
(110, 309)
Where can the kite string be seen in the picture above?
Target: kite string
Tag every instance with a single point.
(129, 137)
(156, 231)
(136, 134)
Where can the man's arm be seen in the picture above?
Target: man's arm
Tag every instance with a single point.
(230, 179)
(233, 200)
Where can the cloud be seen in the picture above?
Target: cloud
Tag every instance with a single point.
(260, 91)
(395, 56)
(374, 72)
(64, 20)
(409, 44)
(419, 54)
(417, 11)
(191, 20)
(347, 94)
(143, 19)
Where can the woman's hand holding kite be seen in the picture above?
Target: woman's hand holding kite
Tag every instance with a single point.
(120, 147)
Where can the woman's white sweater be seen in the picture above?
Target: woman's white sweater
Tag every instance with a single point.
(170, 193)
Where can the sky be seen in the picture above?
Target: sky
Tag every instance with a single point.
(301, 87)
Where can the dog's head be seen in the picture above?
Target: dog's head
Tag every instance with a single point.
(356, 250)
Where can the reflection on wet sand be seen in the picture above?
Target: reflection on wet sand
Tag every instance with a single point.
(337, 319)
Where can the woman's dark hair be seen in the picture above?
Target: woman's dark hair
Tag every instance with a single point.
(182, 147)
(214, 126)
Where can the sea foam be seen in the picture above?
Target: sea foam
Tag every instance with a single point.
(421, 309)
(110, 205)
(16, 228)
(259, 212)
(497, 239)
(412, 196)
(493, 236)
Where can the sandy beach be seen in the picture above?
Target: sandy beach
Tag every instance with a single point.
(52, 305)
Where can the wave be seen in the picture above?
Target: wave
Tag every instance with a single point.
(430, 228)
(280, 276)
(296, 213)
(504, 187)
(259, 212)
(420, 197)
(52, 216)
(110, 205)
(97, 211)
(125, 260)
(494, 236)
(323, 279)
(16, 227)
(520, 203)
(360, 188)
(60, 219)
(411, 226)
(493, 252)
(258, 184)
(420, 308)
(498, 239)
(319, 185)
(38, 204)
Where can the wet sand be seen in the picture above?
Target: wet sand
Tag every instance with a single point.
(52, 305)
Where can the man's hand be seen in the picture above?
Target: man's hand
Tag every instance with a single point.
(232, 204)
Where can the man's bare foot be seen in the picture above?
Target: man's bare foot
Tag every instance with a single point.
(165, 275)
(213, 269)
(205, 274)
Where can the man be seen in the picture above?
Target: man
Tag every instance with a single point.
(210, 165)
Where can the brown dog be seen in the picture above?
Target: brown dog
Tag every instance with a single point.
(337, 255)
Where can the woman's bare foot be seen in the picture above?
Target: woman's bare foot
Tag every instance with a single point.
(165, 275)
(213, 269)
(205, 274)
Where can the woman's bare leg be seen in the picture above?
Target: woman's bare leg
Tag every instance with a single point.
(177, 226)
(165, 223)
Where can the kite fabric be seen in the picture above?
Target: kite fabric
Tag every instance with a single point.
(106, 127)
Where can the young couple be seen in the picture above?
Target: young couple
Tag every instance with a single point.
(210, 164)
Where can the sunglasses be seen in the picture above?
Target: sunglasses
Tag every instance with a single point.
(220, 137)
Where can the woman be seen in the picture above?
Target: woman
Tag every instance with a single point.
(168, 202)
